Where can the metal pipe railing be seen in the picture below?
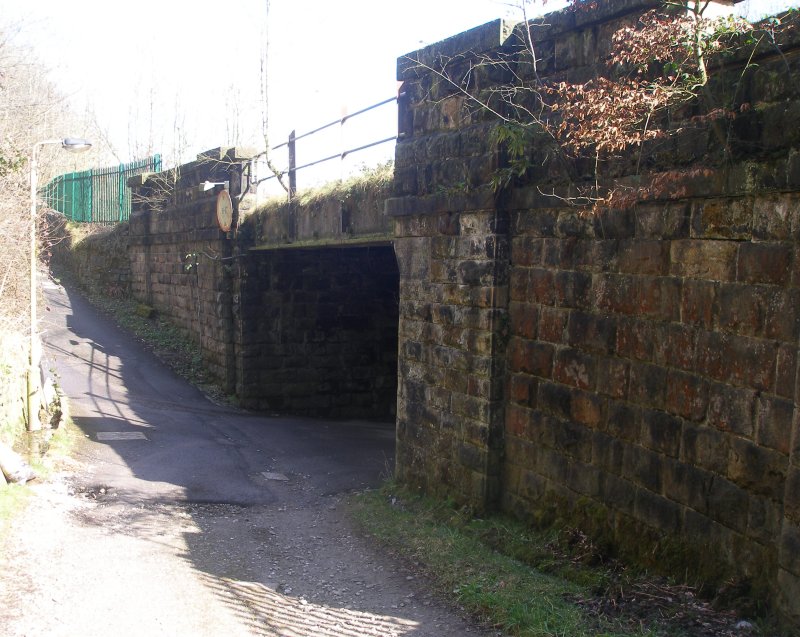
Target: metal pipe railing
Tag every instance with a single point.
(294, 137)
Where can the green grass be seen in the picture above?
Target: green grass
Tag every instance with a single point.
(369, 179)
(513, 578)
(13, 499)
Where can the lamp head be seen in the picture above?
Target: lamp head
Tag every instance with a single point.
(76, 145)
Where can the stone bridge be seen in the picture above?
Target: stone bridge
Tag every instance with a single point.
(633, 371)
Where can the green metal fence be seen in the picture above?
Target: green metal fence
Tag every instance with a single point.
(99, 195)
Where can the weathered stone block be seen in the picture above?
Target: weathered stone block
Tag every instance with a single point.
(522, 389)
(584, 478)
(792, 496)
(657, 512)
(552, 324)
(619, 493)
(648, 384)
(663, 221)
(524, 319)
(575, 368)
(788, 585)
(764, 520)
(573, 289)
(711, 260)
(761, 471)
(765, 262)
(731, 409)
(618, 294)
(774, 420)
(705, 448)
(531, 357)
(535, 222)
(643, 257)
(699, 302)
(518, 285)
(624, 421)
(636, 339)
(573, 440)
(555, 399)
(786, 372)
(542, 286)
(789, 555)
(783, 315)
(687, 395)
(612, 377)
(686, 484)
(526, 251)
(728, 504)
(675, 345)
(661, 432)
(552, 465)
(614, 223)
(743, 308)
(742, 361)
(591, 332)
(775, 217)
(472, 407)
(723, 219)
(588, 408)
(642, 467)
(607, 452)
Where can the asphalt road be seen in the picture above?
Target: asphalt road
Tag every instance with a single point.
(189, 449)
(180, 517)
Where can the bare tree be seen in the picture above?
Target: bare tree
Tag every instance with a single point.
(31, 110)
(265, 95)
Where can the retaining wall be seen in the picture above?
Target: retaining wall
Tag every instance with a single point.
(633, 371)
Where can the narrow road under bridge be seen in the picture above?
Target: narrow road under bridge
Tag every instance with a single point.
(181, 517)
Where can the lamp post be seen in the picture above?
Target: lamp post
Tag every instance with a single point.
(73, 145)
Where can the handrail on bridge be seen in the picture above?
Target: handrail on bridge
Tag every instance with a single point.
(293, 138)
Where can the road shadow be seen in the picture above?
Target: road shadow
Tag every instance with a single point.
(269, 533)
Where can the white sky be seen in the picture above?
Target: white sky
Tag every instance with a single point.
(197, 62)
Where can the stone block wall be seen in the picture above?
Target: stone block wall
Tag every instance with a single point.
(453, 281)
(98, 259)
(182, 263)
(319, 332)
(652, 377)
(633, 371)
(180, 267)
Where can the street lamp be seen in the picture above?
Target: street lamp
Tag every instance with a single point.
(73, 145)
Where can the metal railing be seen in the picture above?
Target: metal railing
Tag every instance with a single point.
(291, 144)
(99, 195)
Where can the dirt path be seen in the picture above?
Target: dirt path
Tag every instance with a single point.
(97, 566)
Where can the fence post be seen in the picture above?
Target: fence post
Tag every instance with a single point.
(123, 182)
(292, 166)
(90, 198)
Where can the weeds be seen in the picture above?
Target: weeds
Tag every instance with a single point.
(530, 582)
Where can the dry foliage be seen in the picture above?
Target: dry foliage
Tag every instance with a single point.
(31, 110)
(655, 83)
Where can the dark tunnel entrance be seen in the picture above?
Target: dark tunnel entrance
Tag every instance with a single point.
(319, 332)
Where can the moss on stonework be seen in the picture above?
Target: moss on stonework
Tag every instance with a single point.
(704, 565)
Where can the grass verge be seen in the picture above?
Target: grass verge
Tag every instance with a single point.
(13, 499)
(478, 563)
(46, 458)
(535, 583)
